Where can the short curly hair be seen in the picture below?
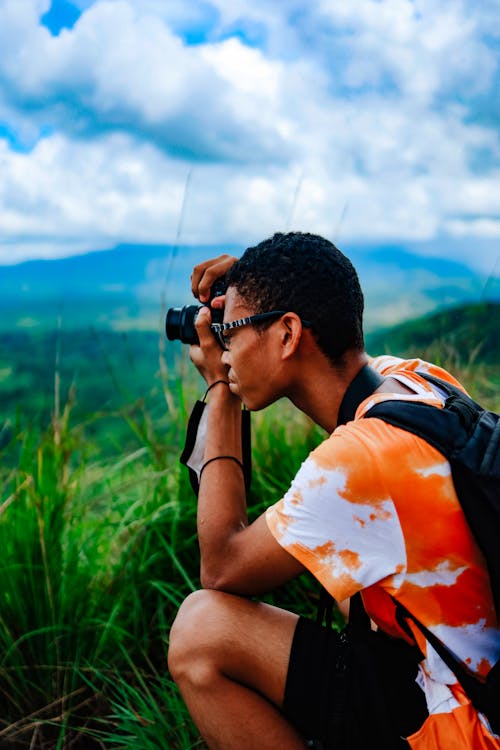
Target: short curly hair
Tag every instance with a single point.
(308, 275)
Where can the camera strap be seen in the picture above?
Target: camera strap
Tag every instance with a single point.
(193, 455)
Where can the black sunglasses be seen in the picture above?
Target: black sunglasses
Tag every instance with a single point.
(220, 328)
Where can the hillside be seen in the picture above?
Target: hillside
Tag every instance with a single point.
(463, 339)
(107, 370)
(471, 331)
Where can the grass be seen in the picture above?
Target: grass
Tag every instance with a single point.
(98, 551)
(87, 545)
(97, 532)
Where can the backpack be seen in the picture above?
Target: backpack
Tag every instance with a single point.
(468, 436)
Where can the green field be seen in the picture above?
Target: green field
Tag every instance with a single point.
(97, 524)
(97, 531)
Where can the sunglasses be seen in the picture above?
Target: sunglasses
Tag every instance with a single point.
(219, 329)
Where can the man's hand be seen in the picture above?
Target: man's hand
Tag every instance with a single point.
(206, 356)
(204, 275)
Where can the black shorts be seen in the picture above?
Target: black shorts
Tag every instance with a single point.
(329, 692)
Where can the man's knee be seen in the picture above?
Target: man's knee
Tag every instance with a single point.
(196, 634)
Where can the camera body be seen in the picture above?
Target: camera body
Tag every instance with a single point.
(180, 321)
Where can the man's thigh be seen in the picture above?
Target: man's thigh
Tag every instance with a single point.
(247, 641)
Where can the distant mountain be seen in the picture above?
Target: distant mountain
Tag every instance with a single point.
(126, 269)
(127, 286)
(400, 285)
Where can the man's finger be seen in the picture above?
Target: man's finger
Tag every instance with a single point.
(219, 302)
(204, 274)
(202, 324)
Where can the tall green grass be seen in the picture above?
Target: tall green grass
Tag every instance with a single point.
(98, 550)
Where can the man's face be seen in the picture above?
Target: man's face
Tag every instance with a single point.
(253, 367)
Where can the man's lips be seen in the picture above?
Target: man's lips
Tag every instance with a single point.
(232, 382)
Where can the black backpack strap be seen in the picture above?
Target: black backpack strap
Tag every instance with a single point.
(358, 616)
(442, 428)
(364, 384)
(447, 429)
(474, 689)
(458, 401)
(448, 388)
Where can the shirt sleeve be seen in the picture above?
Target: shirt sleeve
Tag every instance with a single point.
(338, 519)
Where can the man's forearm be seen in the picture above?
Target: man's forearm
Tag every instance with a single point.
(221, 501)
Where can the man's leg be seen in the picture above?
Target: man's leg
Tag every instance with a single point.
(229, 657)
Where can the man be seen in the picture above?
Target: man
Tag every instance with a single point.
(372, 509)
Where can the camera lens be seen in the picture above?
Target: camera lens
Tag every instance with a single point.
(179, 324)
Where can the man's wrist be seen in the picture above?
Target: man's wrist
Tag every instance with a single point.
(214, 384)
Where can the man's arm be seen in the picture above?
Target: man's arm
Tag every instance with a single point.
(235, 557)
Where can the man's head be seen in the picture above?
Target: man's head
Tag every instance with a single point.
(308, 275)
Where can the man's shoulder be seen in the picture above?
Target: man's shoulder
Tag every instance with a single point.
(389, 365)
(362, 445)
(367, 441)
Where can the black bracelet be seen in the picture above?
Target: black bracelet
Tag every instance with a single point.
(216, 382)
(218, 458)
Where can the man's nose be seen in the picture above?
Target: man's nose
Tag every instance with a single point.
(225, 358)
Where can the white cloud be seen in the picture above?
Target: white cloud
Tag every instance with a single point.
(425, 47)
(120, 70)
(475, 228)
(95, 194)
(344, 121)
(91, 193)
(245, 69)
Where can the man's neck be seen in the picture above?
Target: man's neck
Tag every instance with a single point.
(321, 387)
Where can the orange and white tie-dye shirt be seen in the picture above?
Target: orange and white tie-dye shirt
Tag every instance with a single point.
(373, 508)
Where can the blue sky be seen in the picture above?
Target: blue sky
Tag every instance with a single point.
(221, 121)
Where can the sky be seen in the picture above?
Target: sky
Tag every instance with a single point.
(372, 122)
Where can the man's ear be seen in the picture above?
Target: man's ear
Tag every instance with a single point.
(290, 331)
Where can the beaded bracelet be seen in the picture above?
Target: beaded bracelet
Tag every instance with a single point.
(218, 458)
(216, 382)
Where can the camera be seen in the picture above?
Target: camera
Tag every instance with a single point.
(179, 324)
